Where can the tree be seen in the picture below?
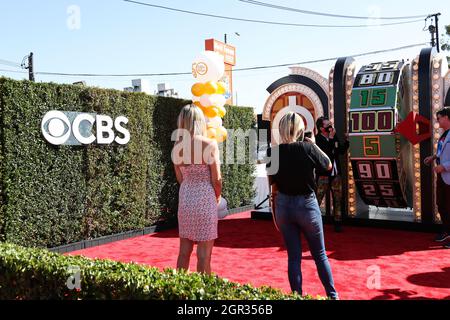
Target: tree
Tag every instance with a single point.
(446, 42)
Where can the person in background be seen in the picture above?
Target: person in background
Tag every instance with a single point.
(442, 169)
(328, 142)
(197, 169)
(296, 208)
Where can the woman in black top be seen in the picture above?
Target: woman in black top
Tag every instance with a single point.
(291, 174)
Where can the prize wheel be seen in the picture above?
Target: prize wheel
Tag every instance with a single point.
(380, 158)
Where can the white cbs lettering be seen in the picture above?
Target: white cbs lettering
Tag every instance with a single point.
(57, 129)
(76, 128)
(104, 125)
(54, 127)
(118, 125)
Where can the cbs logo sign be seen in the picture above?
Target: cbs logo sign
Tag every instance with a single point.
(75, 128)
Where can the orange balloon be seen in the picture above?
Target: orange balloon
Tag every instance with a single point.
(202, 108)
(210, 87)
(222, 111)
(211, 112)
(207, 111)
(198, 104)
(221, 89)
(198, 89)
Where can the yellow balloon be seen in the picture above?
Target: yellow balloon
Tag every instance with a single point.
(222, 111)
(221, 134)
(210, 87)
(198, 89)
(211, 133)
(211, 112)
(221, 89)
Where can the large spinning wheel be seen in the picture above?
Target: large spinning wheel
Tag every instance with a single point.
(390, 121)
(375, 146)
(387, 112)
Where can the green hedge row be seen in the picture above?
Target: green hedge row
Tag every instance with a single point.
(31, 273)
(55, 195)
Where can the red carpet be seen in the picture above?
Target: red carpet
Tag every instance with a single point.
(410, 264)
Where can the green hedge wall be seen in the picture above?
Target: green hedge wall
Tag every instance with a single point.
(31, 273)
(55, 195)
(239, 177)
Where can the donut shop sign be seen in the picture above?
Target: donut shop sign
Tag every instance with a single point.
(75, 128)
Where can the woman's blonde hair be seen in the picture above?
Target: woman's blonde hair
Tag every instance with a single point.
(291, 127)
(191, 118)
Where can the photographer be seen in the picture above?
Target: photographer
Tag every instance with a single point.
(327, 141)
(442, 170)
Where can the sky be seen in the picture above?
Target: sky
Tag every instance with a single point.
(118, 37)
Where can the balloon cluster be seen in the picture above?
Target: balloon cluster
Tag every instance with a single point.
(209, 92)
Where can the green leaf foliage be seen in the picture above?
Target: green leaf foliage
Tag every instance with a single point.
(32, 273)
(55, 195)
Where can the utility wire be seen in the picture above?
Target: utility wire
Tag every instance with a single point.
(13, 71)
(113, 75)
(334, 58)
(272, 22)
(317, 13)
(235, 70)
(10, 63)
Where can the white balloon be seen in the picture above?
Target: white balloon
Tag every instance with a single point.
(205, 100)
(208, 66)
(195, 98)
(213, 99)
(218, 100)
(222, 208)
(215, 122)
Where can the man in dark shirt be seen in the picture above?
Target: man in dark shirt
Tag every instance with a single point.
(442, 170)
(327, 141)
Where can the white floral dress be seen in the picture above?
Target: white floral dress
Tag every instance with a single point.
(197, 206)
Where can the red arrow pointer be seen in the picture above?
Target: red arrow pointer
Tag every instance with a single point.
(415, 128)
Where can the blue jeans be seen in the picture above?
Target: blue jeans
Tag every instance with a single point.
(301, 214)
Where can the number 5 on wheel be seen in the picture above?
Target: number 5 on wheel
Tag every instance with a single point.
(371, 146)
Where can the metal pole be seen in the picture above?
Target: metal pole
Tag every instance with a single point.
(433, 40)
(30, 67)
(436, 20)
